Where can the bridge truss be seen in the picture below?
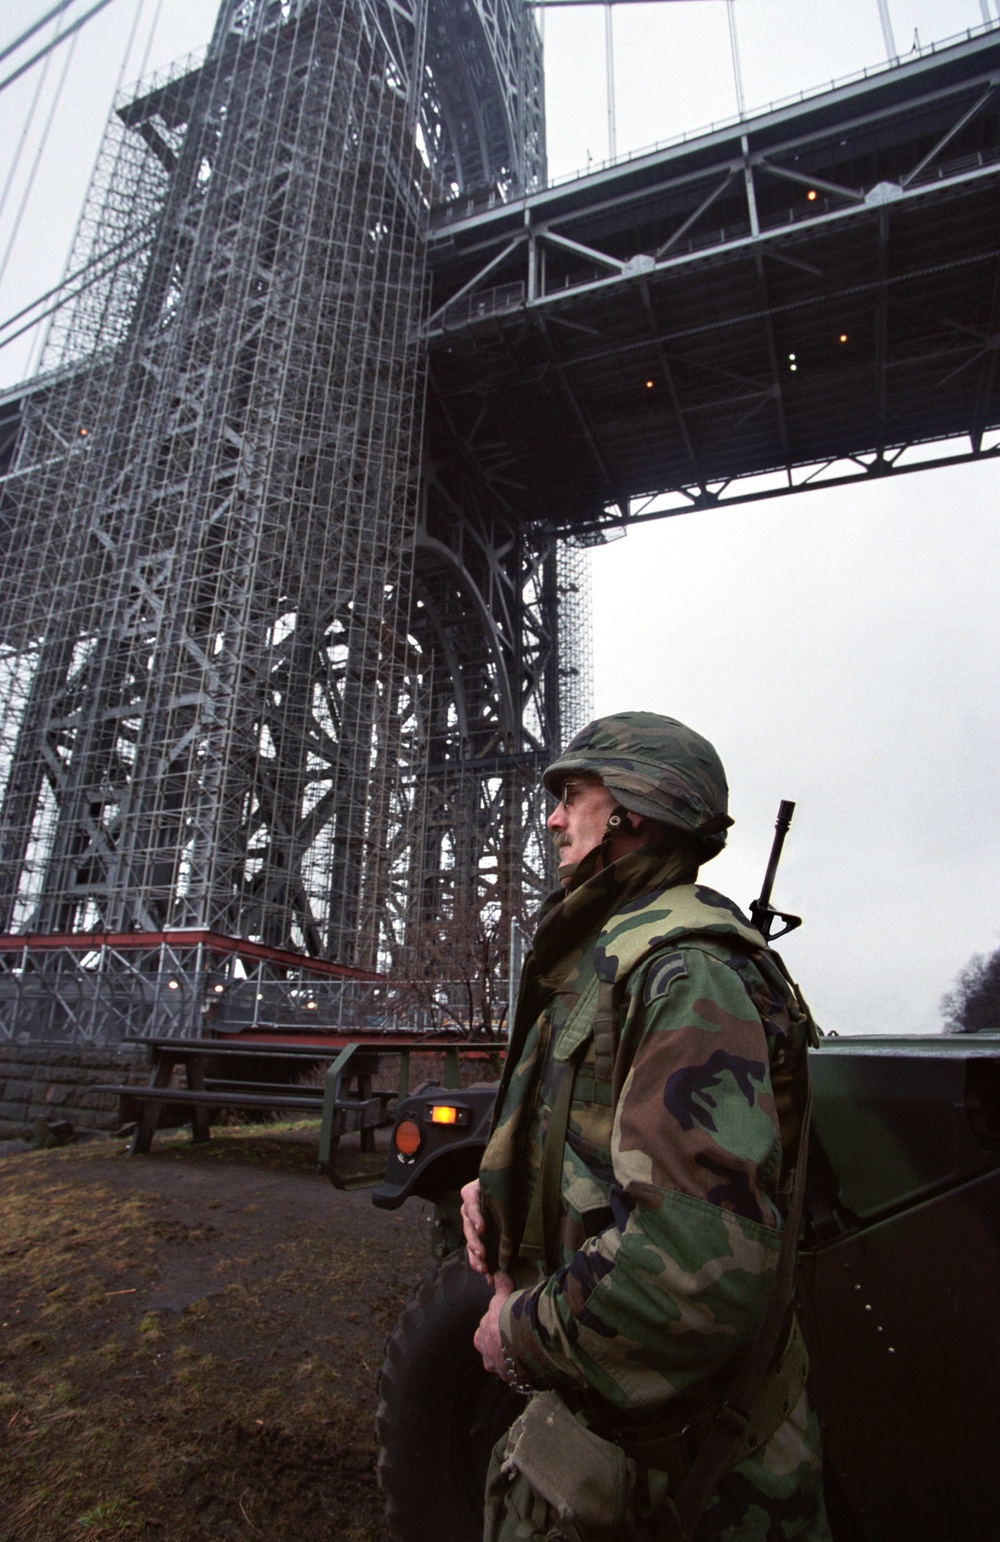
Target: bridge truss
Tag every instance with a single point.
(806, 297)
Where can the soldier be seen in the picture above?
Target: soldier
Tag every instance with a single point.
(630, 1204)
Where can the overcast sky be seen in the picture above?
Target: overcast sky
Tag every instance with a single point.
(841, 648)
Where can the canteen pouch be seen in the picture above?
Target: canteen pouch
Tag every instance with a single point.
(586, 1481)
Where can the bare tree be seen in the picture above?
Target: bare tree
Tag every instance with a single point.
(455, 971)
(973, 1003)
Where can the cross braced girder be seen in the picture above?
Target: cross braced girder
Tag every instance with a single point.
(703, 349)
(442, 327)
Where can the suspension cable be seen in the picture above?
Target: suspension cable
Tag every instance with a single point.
(134, 239)
(36, 26)
(28, 64)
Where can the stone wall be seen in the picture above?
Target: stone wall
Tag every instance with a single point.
(56, 1081)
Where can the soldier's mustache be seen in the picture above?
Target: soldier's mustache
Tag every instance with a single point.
(562, 839)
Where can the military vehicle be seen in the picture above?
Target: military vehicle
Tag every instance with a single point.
(899, 1297)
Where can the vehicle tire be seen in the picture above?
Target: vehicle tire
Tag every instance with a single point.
(439, 1413)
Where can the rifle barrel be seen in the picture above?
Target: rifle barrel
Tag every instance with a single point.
(781, 825)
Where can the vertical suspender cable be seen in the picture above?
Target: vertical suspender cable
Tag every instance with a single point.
(887, 37)
(734, 49)
(47, 333)
(609, 56)
(43, 140)
(25, 130)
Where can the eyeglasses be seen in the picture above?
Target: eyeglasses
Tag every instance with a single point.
(570, 791)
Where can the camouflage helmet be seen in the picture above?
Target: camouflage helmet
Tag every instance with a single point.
(656, 767)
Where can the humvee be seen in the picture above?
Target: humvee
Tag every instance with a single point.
(898, 1295)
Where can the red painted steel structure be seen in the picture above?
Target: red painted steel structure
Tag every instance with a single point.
(212, 942)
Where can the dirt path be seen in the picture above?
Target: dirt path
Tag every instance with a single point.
(191, 1342)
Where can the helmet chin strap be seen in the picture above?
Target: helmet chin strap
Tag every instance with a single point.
(616, 820)
(597, 857)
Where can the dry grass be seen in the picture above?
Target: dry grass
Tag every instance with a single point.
(187, 1361)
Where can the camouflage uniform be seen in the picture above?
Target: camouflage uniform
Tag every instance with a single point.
(669, 1223)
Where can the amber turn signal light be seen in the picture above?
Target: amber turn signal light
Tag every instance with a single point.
(408, 1137)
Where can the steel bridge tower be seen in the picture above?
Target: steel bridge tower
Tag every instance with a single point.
(265, 674)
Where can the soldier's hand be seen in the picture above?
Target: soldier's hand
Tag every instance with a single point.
(474, 1226)
(487, 1336)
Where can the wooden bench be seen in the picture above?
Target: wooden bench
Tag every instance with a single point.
(351, 1105)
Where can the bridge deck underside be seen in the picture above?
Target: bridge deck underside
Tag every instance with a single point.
(825, 287)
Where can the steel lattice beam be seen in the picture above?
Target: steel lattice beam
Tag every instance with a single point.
(217, 712)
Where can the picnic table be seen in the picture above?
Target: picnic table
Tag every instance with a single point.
(346, 1101)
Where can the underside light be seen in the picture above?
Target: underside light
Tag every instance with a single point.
(173, 985)
(812, 195)
(649, 385)
(843, 337)
(407, 1137)
(218, 988)
(84, 432)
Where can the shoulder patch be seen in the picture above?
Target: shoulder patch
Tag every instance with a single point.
(661, 974)
(716, 901)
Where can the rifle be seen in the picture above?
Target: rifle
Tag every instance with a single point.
(762, 912)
